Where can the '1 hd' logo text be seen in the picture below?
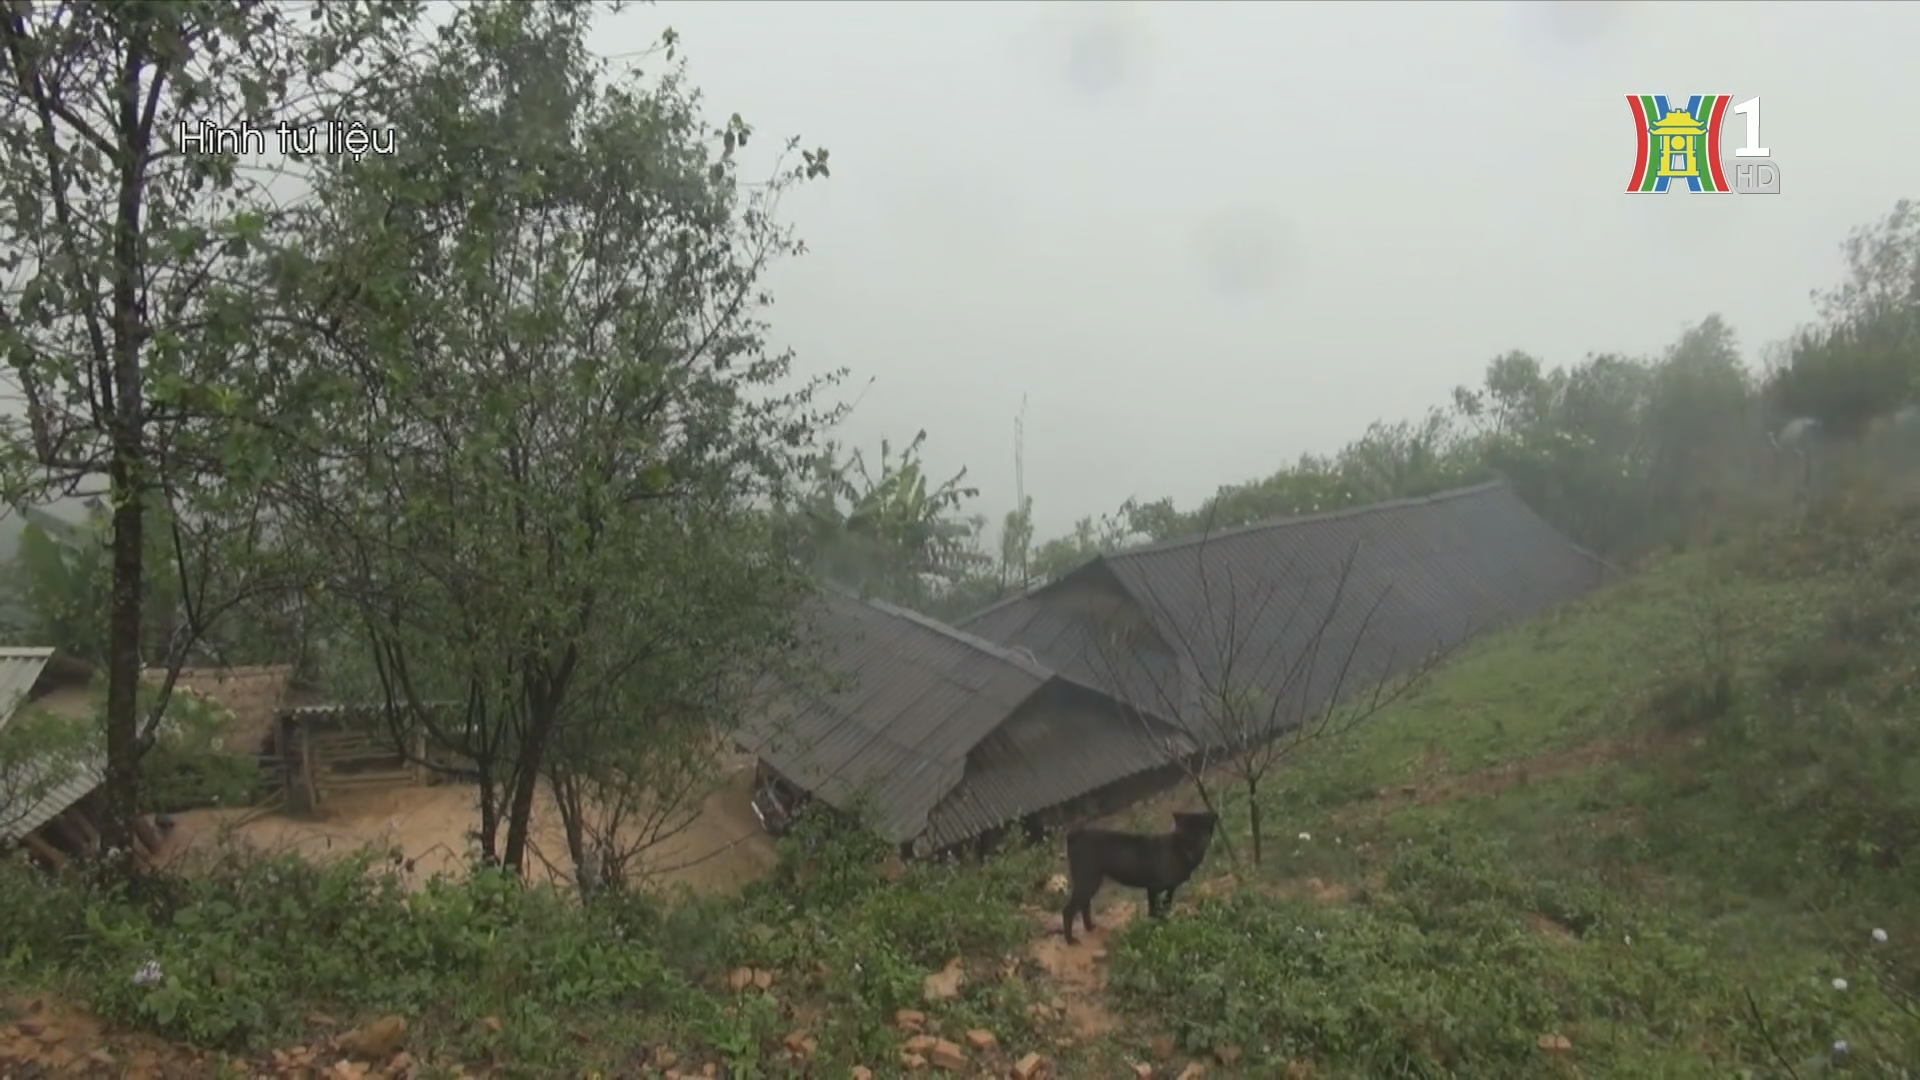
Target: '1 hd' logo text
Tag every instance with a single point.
(1684, 144)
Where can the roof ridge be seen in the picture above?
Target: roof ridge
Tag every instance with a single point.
(1194, 539)
(973, 641)
(1289, 521)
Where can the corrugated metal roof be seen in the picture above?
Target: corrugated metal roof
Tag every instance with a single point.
(1247, 606)
(81, 779)
(922, 694)
(1014, 784)
(20, 668)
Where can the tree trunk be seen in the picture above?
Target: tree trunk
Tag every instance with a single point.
(126, 473)
(489, 814)
(123, 659)
(567, 798)
(1253, 818)
(526, 784)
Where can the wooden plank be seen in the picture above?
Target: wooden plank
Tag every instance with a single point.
(307, 777)
(351, 738)
(379, 779)
(368, 754)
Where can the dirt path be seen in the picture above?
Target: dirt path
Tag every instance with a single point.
(1078, 972)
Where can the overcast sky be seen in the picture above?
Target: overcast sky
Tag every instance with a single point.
(1202, 238)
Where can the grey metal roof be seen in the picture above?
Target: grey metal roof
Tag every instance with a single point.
(920, 696)
(1014, 785)
(1244, 605)
(81, 779)
(20, 668)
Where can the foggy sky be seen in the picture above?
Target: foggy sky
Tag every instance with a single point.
(1202, 238)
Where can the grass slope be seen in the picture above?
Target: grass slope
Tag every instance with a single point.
(1611, 826)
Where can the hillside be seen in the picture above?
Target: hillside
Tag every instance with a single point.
(1659, 833)
(1610, 826)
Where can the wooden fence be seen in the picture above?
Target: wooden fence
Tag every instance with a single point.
(329, 751)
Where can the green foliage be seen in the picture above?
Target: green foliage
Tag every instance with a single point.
(245, 952)
(190, 764)
(59, 579)
(1863, 361)
(887, 533)
(548, 308)
(136, 325)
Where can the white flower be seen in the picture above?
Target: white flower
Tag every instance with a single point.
(1306, 836)
(1879, 936)
(1628, 939)
(1839, 984)
(148, 975)
(1840, 1046)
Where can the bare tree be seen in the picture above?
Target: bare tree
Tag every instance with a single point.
(1254, 666)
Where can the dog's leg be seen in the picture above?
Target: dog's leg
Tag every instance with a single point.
(1082, 902)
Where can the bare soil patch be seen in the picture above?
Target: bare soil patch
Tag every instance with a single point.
(427, 827)
(1320, 891)
(1552, 928)
(1078, 972)
(42, 1038)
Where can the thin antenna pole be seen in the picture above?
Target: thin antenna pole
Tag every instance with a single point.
(1020, 486)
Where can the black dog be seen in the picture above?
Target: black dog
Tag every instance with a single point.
(1156, 862)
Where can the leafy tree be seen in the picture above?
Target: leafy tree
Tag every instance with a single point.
(1088, 539)
(1862, 362)
(632, 766)
(60, 579)
(887, 532)
(553, 405)
(1701, 419)
(130, 314)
